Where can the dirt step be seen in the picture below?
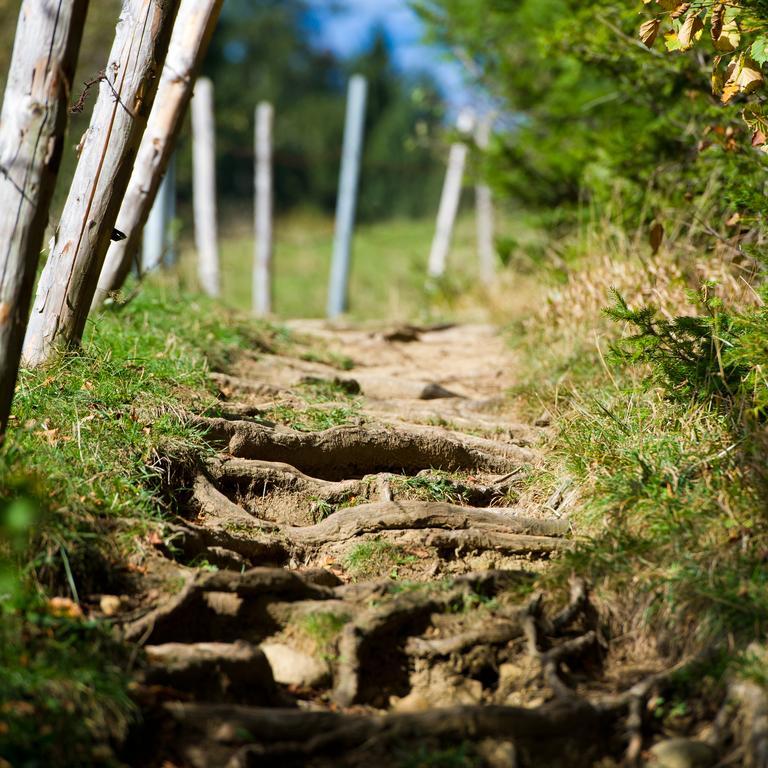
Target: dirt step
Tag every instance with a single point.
(354, 451)
(218, 672)
(557, 734)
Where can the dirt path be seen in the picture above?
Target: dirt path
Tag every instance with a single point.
(372, 598)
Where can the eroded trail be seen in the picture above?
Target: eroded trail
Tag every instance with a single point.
(372, 601)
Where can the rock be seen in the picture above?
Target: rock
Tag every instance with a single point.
(433, 391)
(292, 667)
(681, 753)
(413, 702)
(109, 604)
(232, 672)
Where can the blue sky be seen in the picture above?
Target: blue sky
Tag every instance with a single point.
(347, 26)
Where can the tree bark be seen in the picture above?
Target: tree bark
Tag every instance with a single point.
(119, 118)
(32, 126)
(191, 35)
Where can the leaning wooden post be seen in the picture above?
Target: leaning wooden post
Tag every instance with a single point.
(192, 32)
(347, 201)
(204, 187)
(32, 125)
(451, 196)
(262, 266)
(484, 209)
(127, 90)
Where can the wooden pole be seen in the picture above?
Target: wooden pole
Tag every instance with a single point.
(32, 126)
(347, 200)
(192, 32)
(204, 187)
(451, 196)
(127, 90)
(262, 267)
(484, 209)
(156, 240)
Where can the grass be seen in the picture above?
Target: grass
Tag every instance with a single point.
(388, 276)
(433, 487)
(672, 491)
(313, 418)
(373, 558)
(323, 628)
(93, 449)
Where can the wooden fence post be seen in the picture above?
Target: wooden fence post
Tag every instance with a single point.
(484, 209)
(347, 201)
(32, 125)
(127, 90)
(204, 186)
(262, 266)
(192, 32)
(157, 235)
(450, 198)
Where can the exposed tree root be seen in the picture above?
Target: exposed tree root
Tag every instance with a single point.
(253, 478)
(559, 733)
(192, 615)
(355, 451)
(446, 528)
(495, 632)
(417, 515)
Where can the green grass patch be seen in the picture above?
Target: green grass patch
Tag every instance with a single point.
(96, 444)
(324, 628)
(436, 486)
(377, 558)
(313, 418)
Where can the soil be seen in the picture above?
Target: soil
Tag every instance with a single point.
(364, 594)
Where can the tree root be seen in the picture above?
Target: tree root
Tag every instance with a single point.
(355, 451)
(253, 479)
(417, 515)
(559, 733)
(444, 527)
(496, 632)
(190, 615)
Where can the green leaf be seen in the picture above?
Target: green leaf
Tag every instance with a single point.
(759, 50)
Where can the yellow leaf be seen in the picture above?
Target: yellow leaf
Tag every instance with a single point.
(690, 32)
(648, 32)
(743, 76)
(718, 13)
(729, 38)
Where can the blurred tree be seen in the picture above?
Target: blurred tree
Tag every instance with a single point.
(264, 49)
(596, 116)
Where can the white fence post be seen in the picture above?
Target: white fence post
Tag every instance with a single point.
(450, 198)
(157, 239)
(484, 209)
(204, 187)
(345, 206)
(262, 265)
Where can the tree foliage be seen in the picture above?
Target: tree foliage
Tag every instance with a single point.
(600, 117)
